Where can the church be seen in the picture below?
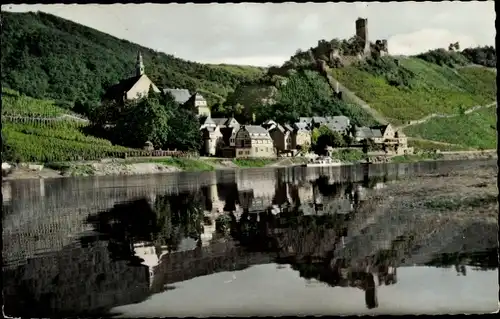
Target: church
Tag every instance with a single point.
(132, 88)
(139, 86)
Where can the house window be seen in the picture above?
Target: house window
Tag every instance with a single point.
(247, 152)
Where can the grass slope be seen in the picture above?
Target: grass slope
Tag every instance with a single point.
(434, 89)
(476, 129)
(35, 141)
(45, 56)
(15, 104)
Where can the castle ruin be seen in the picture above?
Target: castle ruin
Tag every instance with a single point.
(380, 46)
(362, 33)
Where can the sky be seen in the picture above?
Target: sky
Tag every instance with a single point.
(268, 34)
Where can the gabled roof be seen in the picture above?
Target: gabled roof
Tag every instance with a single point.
(268, 122)
(335, 126)
(288, 127)
(220, 121)
(367, 132)
(319, 119)
(117, 91)
(301, 126)
(341, 119)
(229, 120)
(198, 97)
(381, 128)
(277, 127)
(181, 96)
(255, 129)
(209, 121)
(194, 98)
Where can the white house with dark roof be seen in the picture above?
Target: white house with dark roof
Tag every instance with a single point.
(212, 140)
(194, 101)
(198, 104)
(254, 141)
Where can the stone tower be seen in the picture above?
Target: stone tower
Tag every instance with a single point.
(362, 32)
(139, 65)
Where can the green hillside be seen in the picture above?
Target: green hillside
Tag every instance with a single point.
(48, 57)
(399, 89)
(412, 88)
(476, 129)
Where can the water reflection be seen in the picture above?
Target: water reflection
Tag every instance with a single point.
(149, 240)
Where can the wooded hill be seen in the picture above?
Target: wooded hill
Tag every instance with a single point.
(45, 56)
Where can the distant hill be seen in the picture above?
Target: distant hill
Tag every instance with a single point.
(45, 56)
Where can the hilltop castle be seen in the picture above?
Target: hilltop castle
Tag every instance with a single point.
(380, 46)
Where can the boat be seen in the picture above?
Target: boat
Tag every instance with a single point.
(322, 162)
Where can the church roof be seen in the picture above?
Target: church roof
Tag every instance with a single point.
(116, 91)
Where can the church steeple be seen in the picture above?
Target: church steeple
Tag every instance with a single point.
(139, 65)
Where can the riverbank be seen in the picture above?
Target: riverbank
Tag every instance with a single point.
(152, 165)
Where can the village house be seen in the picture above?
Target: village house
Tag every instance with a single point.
(301, 135)
(229, 130)
(340, 124)
(253, 141)
(132, 88)
(282, 137)
(198, 104)
(391, 139)
(212, 140)
(219, 133)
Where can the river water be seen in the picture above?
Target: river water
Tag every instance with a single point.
(287, 241)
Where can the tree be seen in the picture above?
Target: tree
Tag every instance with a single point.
(315, 135)
(348, 139)
(337, 140)
(324, 137)
(143, 120)
(368, 145)
(184, 131)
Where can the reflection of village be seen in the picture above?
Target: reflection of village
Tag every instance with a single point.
(223, 223)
